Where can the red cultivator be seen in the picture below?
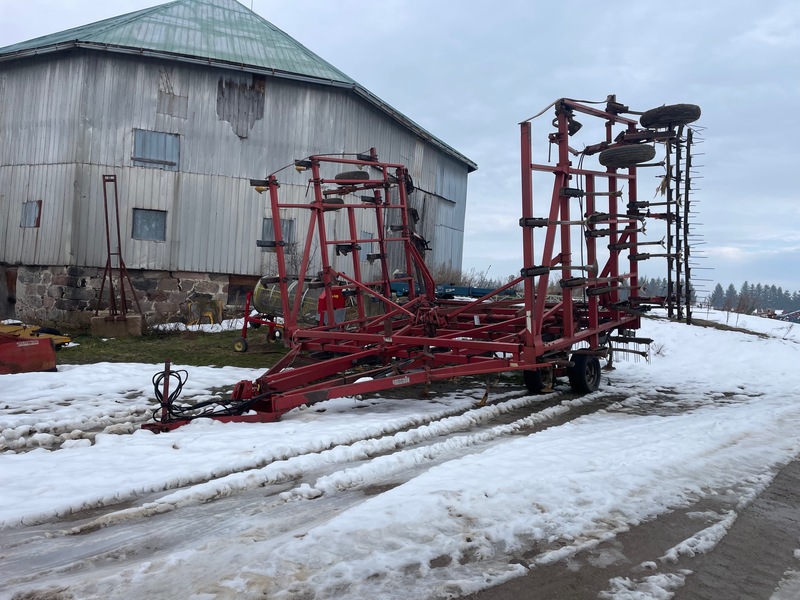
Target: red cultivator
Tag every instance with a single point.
(381, 342)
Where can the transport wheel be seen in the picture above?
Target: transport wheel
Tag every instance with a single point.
(670, 115)
(538, 380)
(352, 175)
(240, 345)
(584, 376)
(338, 201)
(626, 156)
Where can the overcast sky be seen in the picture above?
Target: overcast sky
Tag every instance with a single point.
(469, 71)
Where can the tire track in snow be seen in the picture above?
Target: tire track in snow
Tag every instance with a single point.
(391, 465)
(382, 459)
(127, 536)
(302, 464)
(388, 427)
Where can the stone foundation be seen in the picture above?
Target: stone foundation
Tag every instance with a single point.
(67, 296)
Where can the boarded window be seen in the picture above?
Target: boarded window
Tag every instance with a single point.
(170, 104)
(31, 214)
(156, 149)
(150, 225)
(366, 247)
(287, 232)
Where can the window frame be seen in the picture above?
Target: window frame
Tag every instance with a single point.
(134, 221)
(141, 158)
(288, 231)
(366, 247)
(28, 220)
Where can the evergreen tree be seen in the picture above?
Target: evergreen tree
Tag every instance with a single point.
(745, 303)
(731, 298)
(717, 298)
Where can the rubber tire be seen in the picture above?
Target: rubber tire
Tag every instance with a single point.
(48, 330)
(240, 345)
(670, 116)
(626, 156)
(351, 175)
(332, 200)
(538, 380)
(584, 375)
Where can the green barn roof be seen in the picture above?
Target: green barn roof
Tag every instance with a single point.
(217, 30)
(220, 32)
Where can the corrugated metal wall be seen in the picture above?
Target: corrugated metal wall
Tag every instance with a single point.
(68, 119)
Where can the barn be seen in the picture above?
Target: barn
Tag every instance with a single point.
(184, 103)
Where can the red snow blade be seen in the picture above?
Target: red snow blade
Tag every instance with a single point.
(23, 355)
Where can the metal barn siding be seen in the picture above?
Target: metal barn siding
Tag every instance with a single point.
(38, 157)
(213, 216)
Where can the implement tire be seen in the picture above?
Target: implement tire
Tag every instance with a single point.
(626, 156)
(539, 381)
(670, 115)
(240, 345)
(352, 175)
(584, 375)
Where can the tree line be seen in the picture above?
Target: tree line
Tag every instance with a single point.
(750, 298)
(747, 299)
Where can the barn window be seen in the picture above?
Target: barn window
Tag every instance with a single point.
(156, 149)
(31, 214)
(170, 104)
(366, 247)
(287, 231)
(150, 225)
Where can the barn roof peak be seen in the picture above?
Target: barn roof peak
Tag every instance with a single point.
(221, 31)
(216, 32)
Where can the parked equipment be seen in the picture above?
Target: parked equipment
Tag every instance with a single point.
(28, 348)
(583, 236)
(19, 329)
(26, 354)
(254, 321)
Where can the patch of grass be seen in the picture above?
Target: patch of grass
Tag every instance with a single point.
(183, 348)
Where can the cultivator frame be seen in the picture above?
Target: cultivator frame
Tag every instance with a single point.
(387, 342)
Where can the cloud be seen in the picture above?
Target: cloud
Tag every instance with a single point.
(777, 29)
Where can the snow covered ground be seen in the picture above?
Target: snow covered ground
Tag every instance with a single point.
(388, 498)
